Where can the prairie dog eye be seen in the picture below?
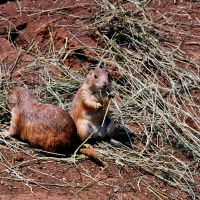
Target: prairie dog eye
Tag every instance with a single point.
(90, 72)
(95, 76)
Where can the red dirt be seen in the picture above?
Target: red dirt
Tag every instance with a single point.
(178, 25)
(185, 13)
(40, 24)
(113, 183)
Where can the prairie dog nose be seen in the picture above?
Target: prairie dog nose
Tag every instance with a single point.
(105, 84)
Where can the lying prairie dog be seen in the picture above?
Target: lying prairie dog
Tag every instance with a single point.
(43, 125)
(89, 106)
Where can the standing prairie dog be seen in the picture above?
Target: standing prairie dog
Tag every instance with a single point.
(44, 125)
(90, 104)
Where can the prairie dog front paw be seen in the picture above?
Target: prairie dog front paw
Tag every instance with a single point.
(111, 95)
(98, 106)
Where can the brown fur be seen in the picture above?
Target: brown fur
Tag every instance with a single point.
(89, 106)
(44, 125)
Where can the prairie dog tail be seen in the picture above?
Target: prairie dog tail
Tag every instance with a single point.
(94, 155)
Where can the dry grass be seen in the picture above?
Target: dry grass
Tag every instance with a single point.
(155, 95)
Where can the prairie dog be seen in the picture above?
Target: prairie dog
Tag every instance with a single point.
(44, 125)
(90, 104)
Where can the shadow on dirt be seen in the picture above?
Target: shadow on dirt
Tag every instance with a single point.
(120, 135)
(124, 136)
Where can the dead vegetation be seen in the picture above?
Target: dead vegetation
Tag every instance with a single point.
(155, 95)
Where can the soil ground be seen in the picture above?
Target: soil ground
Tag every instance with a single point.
(21, 23)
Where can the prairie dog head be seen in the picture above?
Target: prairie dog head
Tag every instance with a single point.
(19, 96)
(99, 80)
